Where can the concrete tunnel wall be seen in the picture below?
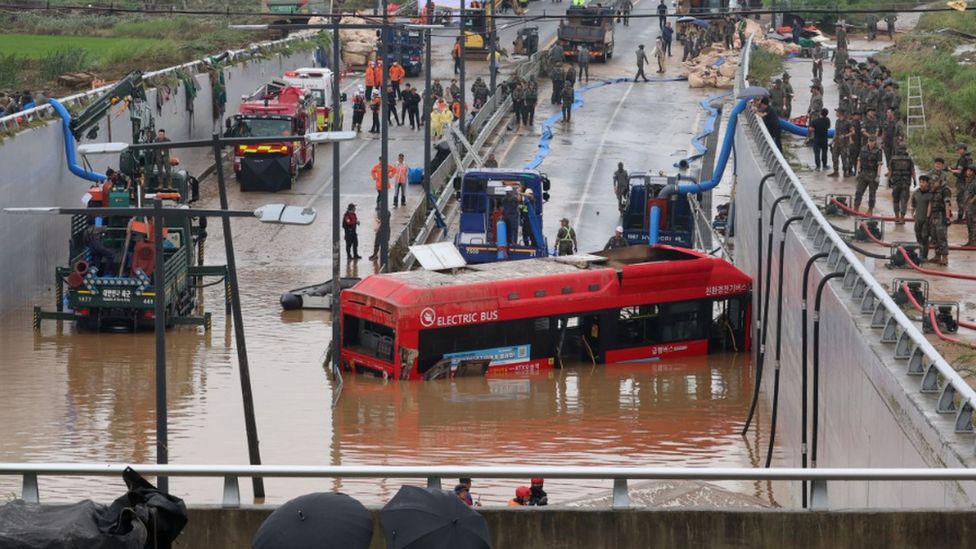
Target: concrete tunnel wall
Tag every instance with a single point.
(871, 412)
(566, 528)
(35, 174)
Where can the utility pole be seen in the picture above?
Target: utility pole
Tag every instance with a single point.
(428, 104)
(384, 235)
(250, 423)
(463, 36)
(493, 66)
(159, 304)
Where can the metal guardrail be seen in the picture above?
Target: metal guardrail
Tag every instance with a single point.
(422, 221)
(938, 377)
(30, 472)
(22, 119)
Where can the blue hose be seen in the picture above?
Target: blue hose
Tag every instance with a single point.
(685, 188)
(798, 130)
(546, 139)
(69, 145)
(698, 141)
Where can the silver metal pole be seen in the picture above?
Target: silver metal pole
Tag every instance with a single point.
(159, 323)
(336, 197)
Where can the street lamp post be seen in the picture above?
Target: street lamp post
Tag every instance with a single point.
(159, 327)
(463, 34)
(336, 197)
(384, 234)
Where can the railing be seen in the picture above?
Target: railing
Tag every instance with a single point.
(938, 377)
(30, 472)
(22, 119)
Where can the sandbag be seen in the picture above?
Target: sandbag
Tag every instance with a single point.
(695, 80)
(353, 59)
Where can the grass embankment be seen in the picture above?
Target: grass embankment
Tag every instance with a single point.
(764, 67)
(948, 86)
(42, 47)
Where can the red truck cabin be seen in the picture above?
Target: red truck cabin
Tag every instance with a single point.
(635, 304)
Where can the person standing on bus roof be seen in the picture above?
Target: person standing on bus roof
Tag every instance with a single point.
(510, 213)
(565, 238)
(528, 236)
(617, 240)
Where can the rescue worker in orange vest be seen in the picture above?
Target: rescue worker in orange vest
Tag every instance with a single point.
(377, 174)
(456, 55)
(369, 80)
(456, 109)
(522, 495)
(396, 77)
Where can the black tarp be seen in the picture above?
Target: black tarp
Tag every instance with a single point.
(143, 518)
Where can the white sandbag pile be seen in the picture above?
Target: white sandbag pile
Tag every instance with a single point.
(358, 45)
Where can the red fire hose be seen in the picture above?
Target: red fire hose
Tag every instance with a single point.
(945, 274)
(852, 211)
(943, 337)
(911, 297)
(874, 239)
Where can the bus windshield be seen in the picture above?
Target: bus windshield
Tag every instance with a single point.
(263, 127)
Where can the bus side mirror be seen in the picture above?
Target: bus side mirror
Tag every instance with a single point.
(545, 197)
(457, 183)
(545, 183)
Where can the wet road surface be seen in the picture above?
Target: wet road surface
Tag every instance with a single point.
(81, 397)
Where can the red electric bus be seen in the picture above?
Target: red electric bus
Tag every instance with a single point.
(633, 304)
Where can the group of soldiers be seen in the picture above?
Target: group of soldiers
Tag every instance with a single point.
(563, 76)
(869, 134)
(525, 97)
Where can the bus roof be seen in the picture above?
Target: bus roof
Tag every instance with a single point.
(671, 273)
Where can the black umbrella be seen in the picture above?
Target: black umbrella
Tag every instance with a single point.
(321, 521)
(418, 518)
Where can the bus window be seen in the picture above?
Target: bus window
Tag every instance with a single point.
(498, 337)
(663, 323)
(368, 338)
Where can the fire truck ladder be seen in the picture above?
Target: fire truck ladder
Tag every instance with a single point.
(915, 113)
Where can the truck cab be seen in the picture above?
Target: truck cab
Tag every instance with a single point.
(318, 81)
(677, 220)
(276, 109)
(481, 195)
(589, 25)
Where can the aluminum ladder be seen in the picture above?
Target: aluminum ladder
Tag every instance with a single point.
(915, 113)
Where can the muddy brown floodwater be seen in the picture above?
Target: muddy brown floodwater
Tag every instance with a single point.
(80, 397)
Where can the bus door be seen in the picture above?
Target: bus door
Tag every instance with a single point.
(730, 324)
(590, 338)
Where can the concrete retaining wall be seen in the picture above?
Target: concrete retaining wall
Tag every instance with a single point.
(215, 528)
(871, 413)
(34, 173)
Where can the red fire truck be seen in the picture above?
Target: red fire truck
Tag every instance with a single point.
(276, 109)
(635, 304)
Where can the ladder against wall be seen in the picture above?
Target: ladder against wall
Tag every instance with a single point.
(915, 113)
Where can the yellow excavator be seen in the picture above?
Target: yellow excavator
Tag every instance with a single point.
(479, 22)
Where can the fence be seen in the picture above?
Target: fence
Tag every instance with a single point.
(30, 472)
(938, 377)
(422, 222)
(21, 120)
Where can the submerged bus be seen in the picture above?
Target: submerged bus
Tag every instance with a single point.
(634, 304)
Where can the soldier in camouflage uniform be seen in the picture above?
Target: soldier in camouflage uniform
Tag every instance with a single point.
(969, 176)
(965, 160)
(557, 76)
(901, 179)
(921, 199)
(788, 96)
(868, 166)
(894, 134)
(531, 99)
(939, 219)
(854, 146)
(777, 97)
(841, 145)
